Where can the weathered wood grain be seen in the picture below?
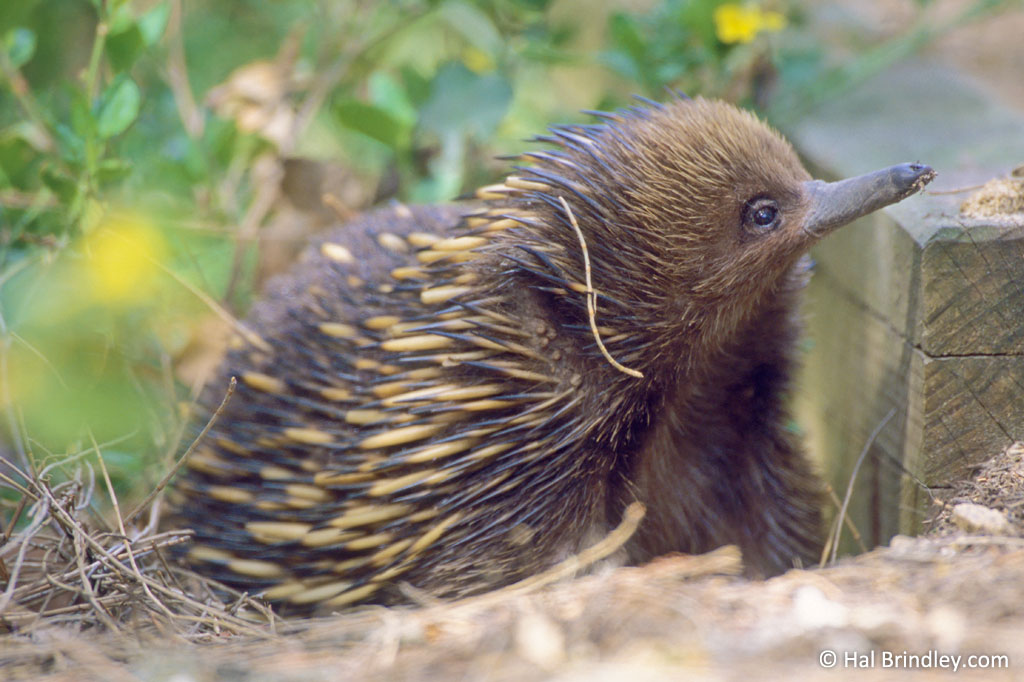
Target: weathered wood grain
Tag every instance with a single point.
(853, 376)
(973, 292)
(973, 409)
(916, 309)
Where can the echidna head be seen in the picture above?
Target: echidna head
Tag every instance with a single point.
(693, 208)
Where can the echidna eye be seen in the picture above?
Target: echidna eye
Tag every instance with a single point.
(764, 216)
(761, 214)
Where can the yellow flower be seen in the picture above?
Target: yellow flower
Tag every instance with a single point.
(736, 23)
(122, 255)
(476, 60)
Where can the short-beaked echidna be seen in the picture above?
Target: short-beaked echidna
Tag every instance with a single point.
(426, 400)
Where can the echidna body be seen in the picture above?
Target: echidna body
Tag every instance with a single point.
(427, 401)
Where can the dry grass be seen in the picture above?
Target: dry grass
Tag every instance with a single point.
(69, 565)
(86, 596)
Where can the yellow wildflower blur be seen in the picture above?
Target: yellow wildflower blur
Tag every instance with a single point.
(86, 322)
(122, 253)
(476, 60)
(735, 23)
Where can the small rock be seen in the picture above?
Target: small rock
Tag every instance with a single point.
(812, 609)
(902, 543)
(975, 518)
(540, 640)
(948, 626)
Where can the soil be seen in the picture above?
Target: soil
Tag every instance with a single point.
(920, 606)
(997, 198)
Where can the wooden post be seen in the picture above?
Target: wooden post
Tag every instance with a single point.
(917, 310)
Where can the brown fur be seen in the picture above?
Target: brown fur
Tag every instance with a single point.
(703, 306)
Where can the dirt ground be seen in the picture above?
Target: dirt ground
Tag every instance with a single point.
(916, 597)
(921, 606)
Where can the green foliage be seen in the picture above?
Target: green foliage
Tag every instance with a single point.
(20, 44)
(676, 45)
(118, 108)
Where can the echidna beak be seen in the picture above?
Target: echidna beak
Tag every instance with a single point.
(834, 204)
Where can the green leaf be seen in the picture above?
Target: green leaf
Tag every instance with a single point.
(621, 62)
(220, 143)
(60, 183)
(120, 17)
(627, 36)
(31, 132)
(699, 18)
(20, 45)
(372, 121)
(447, 171)
(387, 93)
(70, 145)
(536, 5)
(416, 86)
(119, 107)
(466, 103)
(17, 159)
(153, 23)
(124, 47)
(474, 26)
(112, 170)
(83, 120)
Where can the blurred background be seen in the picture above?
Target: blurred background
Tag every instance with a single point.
(160, 159)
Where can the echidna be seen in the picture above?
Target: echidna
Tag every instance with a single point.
(459, 397)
